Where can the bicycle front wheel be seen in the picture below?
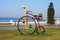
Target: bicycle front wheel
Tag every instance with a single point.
(22, 25)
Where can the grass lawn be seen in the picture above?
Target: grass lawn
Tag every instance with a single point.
(50, 34)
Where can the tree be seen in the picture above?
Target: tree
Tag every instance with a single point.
(50, 14)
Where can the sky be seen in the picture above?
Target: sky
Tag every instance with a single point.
(13, 8)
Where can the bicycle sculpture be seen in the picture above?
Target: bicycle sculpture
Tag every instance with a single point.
(29, 24)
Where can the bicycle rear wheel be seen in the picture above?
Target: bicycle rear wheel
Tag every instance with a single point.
(40, 30)
(21, 25)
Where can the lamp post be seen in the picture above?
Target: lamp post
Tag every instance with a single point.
(24, 7)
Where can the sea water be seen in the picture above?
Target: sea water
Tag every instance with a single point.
(16, 19)
(8, 19)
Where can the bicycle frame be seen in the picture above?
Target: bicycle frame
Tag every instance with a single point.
(36, 27)
(34, 17)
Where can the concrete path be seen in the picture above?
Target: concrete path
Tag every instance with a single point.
(51, 26)
(8, 28)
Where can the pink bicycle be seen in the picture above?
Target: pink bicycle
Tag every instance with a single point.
(29, 24)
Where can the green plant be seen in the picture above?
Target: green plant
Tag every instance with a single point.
(50, 14)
